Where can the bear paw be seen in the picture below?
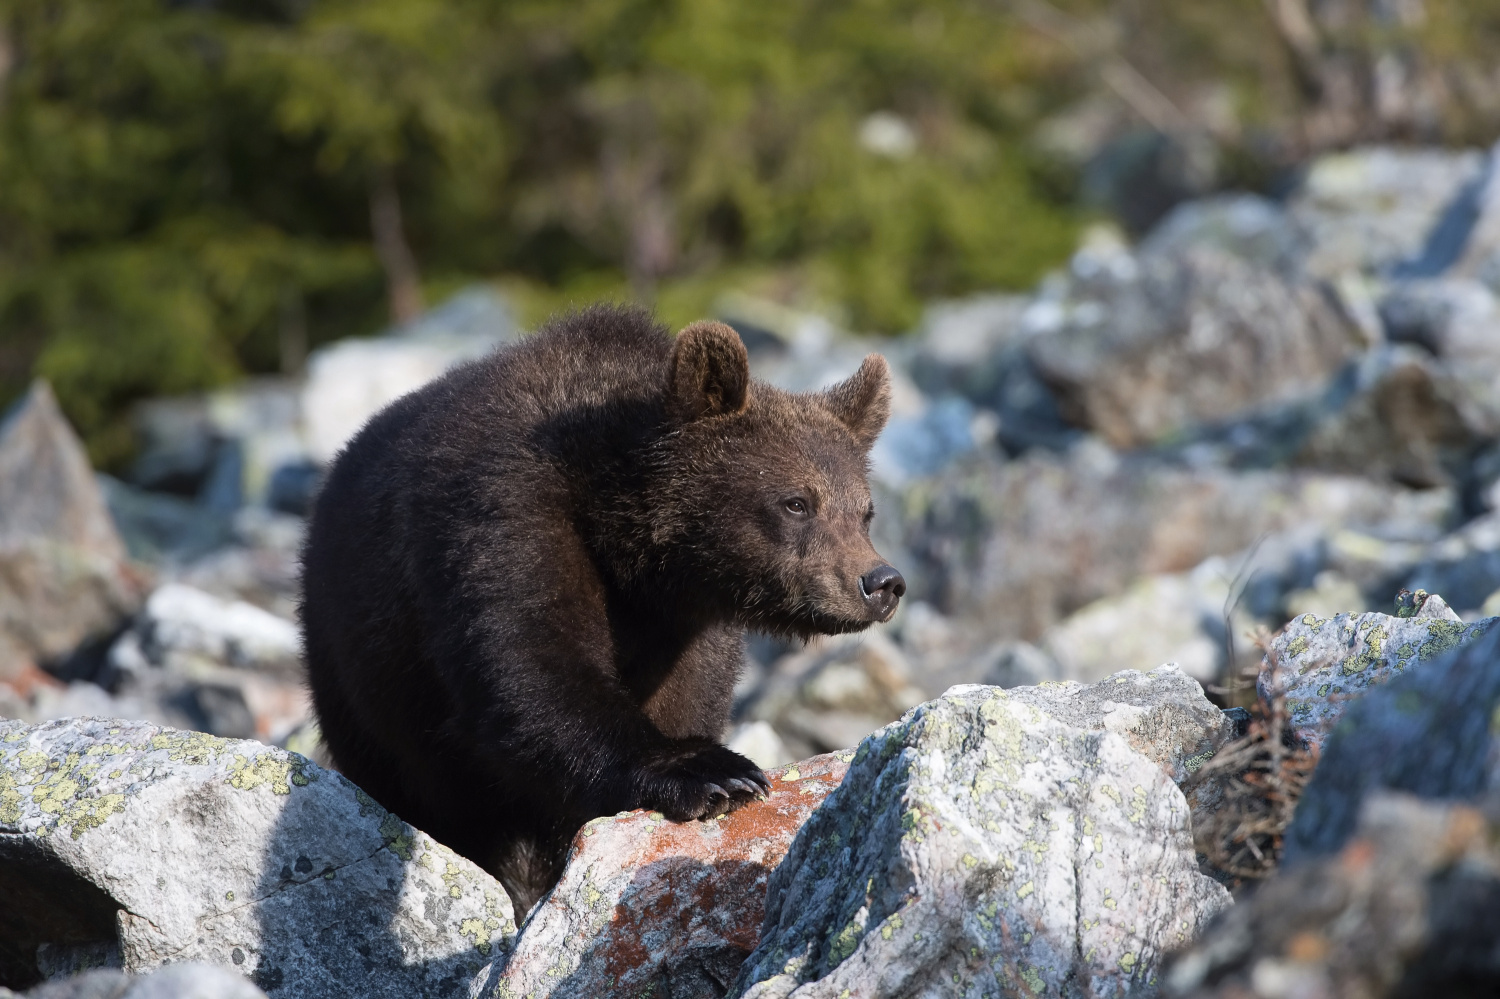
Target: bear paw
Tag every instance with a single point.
(700, 782)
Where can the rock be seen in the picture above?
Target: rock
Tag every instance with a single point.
(647, 906)
(158, 528)
(976, 348)
(47, 488)
(174, 981)
(1426, 732)
(1013, 548)
(1410, 907)
(1163, 715)
(1141, 347)
(759, 742)
(130, 845)
(966, 850)
(181, 627)
(349, 381)
(835, 692)
(1183, 618)
(1322, 665)
(1247, 226)
(1375, 208)
(921, 445)
(63, 577)
(1399, 417)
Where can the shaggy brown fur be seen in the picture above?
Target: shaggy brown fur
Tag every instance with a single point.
(526, 584)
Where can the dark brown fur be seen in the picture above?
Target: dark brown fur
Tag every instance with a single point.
(526, 584)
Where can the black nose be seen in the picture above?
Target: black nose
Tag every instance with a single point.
(882, 587)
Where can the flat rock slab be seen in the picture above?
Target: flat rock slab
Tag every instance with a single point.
(651, 907)
(1325, 663)
(129, 845)
(982, 845)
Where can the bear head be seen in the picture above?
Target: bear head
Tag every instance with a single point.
(766, 491)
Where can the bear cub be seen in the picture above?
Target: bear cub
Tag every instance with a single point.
(526, 585)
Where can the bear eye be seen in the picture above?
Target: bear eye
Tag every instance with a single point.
(869, 514)
(797, 507)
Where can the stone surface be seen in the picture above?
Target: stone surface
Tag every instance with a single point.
(182, 627)
(1410, 907)
(1398, 416)
(1014, 548)
(1372, 209)
(130, 845)
(980, 845)
(47, 487)
(831, 694)
(1141, 347)
(174, 981)
(1163, 715)
(1427, 732)
(63, 579)
(649, 907)
(349, 381)
(1179, 618)
(1327, 663)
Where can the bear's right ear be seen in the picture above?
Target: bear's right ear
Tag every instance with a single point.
(710, 371)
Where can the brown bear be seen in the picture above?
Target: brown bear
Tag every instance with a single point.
(526, 585)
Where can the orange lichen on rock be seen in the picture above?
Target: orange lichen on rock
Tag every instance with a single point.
(645, 900)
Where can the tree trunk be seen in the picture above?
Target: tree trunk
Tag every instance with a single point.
(402, 281)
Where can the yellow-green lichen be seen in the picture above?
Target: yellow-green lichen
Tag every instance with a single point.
(195, 748)
(397, 836)
(280, 772)
(1195, 763)
(474, 929)
(1374, 641)
(843, 944)
(1442, 636)
(1297, 646)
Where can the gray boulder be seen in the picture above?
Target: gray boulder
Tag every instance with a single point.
(1372, 209)
(1013, 548)
(1142, 347)
(127, 845)
(1409, 908)
(63, 576)
(1323, 665)
(1427, 732)
(984, 843)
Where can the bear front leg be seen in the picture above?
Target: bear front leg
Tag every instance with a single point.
(697, 779)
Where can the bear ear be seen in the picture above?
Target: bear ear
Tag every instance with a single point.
(710, 371)
(863, 403)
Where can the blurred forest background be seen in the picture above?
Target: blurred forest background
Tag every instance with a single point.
(194, 190)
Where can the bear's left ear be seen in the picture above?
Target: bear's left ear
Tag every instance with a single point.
(863, 403)
(710, 371)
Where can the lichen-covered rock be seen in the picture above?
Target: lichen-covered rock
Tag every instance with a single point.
(1162, 715)
(653, 907)
(1410, 907)
(981, 844)
(1429, 732)
(1322, 664)
(188, 980)
(132, 846)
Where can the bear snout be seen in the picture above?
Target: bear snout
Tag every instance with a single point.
(882, 588)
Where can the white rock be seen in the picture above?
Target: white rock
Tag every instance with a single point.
(182, 621)
(980, 845)
(350, 381)
(759, 741)
(169, 846)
